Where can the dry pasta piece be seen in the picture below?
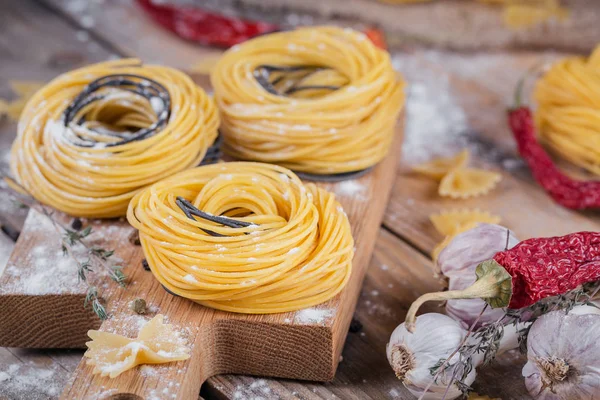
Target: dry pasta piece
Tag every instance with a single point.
(462, 183)
(111, 354)
(522, 15)
(321, 100)
(447, 222)
(439, 167)
(92, 138)
(24, 90)
(440, 246)
(244, 237)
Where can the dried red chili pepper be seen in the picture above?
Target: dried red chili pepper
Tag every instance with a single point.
(547, 267)
(209, 28)
(532, 270)
(205, 27)
(564, 190)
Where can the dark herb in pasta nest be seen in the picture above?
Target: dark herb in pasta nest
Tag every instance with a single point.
(137, 84)
(266, 76)
(190, 211)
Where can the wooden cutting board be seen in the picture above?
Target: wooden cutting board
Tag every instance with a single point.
(41, 306)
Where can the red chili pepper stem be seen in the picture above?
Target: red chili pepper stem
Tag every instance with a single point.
(493, 284)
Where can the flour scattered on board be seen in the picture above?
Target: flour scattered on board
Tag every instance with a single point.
(31, 381)
(257, 390)
(46, 269)
(351, 188)
(313, 316)
(436, 125)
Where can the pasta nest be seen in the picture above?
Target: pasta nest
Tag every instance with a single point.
(92, 138)
(320, 100)
(568, 110)
(244, 237)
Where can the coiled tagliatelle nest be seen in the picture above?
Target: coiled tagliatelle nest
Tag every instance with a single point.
(321, 100)
(244, 237)
(90, 139)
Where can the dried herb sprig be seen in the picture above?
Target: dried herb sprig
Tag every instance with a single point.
(263, 75)
(68, 239)
(92, 298)
(488, 337)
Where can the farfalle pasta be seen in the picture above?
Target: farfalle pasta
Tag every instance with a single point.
(462, 183)
(456, 179)
(111, 354)
(440, 167)
(451, 223)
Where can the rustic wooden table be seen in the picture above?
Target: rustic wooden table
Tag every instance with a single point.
(456, 100)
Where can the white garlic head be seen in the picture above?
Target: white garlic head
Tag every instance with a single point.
(412, 355)
(563, 357)
(459, 260)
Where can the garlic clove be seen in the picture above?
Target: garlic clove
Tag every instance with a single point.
(459, 262)
(467, 310)
(470, 248)
(412, 355)
(563, 357)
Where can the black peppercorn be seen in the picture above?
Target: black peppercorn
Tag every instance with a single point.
(355, 326)
(76, 224)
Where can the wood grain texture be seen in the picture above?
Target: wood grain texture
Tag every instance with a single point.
(463, 25)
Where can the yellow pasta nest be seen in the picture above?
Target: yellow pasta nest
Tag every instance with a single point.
(456, 180)
(111, 354)
(322, 100)
(89, 140)
(244, 237)
(451, 223)
(568, 110)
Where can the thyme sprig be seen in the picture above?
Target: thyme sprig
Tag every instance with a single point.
(486, 339)
(68, 239)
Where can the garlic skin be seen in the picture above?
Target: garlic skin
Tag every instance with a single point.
(411, 355)
(563, 356)
(458, 262)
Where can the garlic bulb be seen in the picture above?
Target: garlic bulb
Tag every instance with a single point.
(563, 356)
(458, 262)
(436, 337)
(411, 355)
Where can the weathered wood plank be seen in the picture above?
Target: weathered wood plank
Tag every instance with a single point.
(125, 26)
(35, 45)
(455, 24)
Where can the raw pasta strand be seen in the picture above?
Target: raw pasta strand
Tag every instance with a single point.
(568, 110)
(294, 251)
(321, 100)
(89, 140)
